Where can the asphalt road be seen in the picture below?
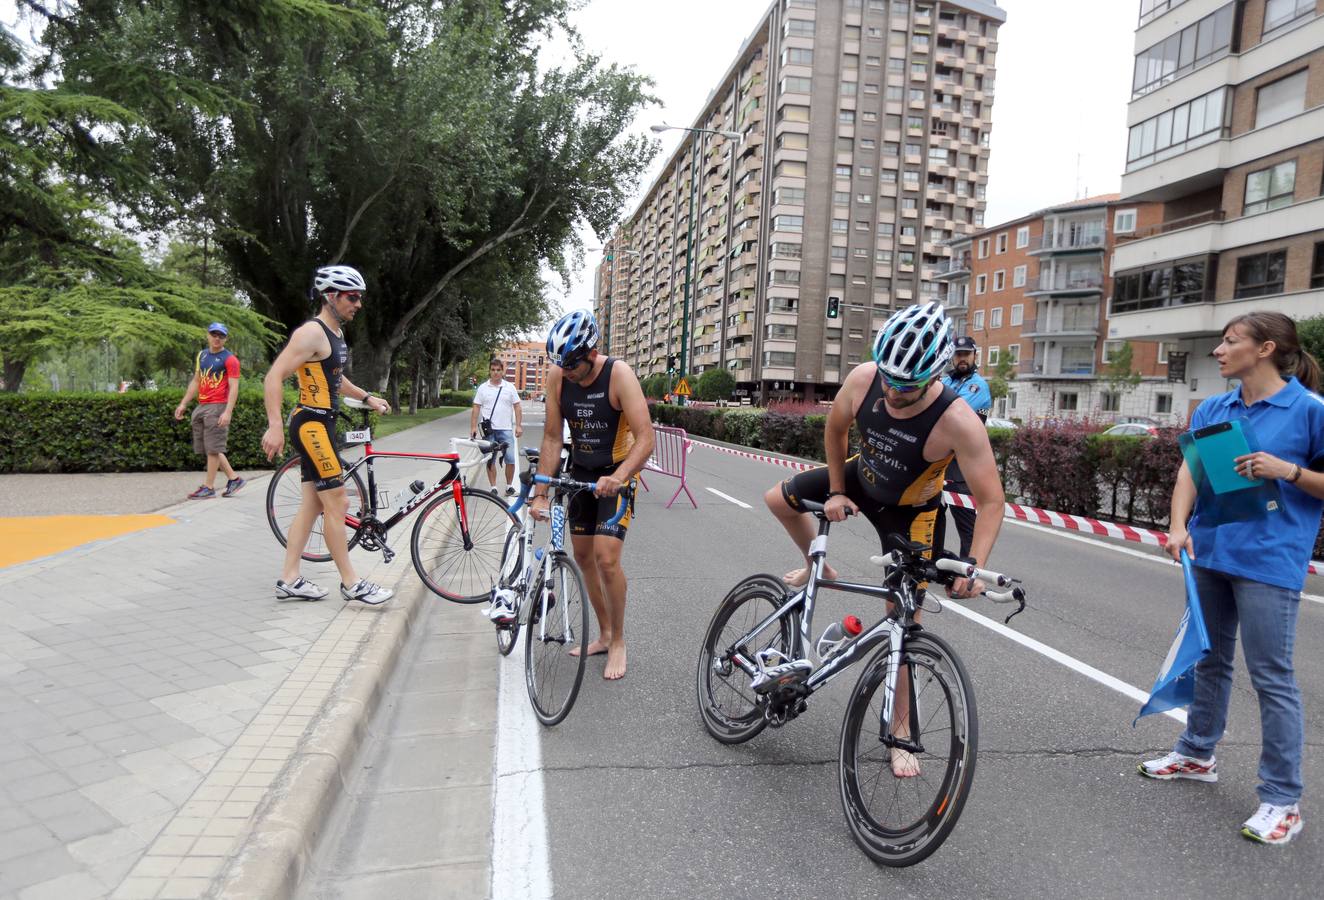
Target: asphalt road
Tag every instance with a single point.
(639, 801)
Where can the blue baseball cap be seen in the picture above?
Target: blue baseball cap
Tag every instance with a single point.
(217, 326)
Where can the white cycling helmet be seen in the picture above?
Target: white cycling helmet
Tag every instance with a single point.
(570, 339)
(914, 344)
(338, 278)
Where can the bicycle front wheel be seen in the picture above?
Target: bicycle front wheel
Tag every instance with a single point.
(285, 495)
(457, 549)
(557, 623)
(727, 703)
(898, 820)
(507, 636)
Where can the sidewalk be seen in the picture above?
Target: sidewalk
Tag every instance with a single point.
(159, 704)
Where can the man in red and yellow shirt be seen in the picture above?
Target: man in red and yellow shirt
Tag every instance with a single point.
(216, 385)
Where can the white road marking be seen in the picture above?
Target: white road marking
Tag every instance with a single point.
(1160, 558)
(740, 503)
(520, 866)
(1058, 656)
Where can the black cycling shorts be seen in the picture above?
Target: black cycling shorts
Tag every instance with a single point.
(313, 436)
(917, 523)
(589, 513)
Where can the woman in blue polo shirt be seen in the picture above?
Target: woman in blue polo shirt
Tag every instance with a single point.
(1252, 572)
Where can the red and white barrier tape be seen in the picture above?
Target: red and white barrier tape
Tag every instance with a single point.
(1013, 510)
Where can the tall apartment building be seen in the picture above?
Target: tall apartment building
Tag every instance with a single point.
(1034, 292)
(864, 138)
(526, 365)
(1227, 132)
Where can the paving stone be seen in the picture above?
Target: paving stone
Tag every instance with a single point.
(104, 847)
(75, 886)
(34, 868)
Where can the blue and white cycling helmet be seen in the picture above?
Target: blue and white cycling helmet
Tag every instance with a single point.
(914, 344)
(338, 278)
(570, 339)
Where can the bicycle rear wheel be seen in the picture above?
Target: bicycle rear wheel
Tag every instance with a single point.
(899, 821)
(284, 496)
(557, 623)
(727, 703)
(457, 551)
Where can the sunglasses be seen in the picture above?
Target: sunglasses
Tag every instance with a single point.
(353, 296)
(905, 387)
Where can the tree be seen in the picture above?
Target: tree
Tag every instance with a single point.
(424, 143)
(1118, 373)
(1004, 373)
(1311, 333)
(715, 384)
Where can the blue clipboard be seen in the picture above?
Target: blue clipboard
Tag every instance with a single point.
(1223, 493)
(1219, 446)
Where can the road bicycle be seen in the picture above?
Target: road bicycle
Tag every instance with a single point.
(754, 671)
(458, 538)
(543, 590)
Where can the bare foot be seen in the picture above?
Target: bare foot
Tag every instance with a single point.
(595, 648)
(615, 662)
(798, 577)
(904, 763)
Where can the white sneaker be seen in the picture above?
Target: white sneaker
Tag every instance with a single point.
(366, 592)
(1273, 824)
(299, 589)
(502, 608)
(1178, 765)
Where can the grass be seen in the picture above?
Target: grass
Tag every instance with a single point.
(396, 422)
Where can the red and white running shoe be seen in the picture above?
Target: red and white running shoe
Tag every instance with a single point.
(1273, 824)
(1178, 765)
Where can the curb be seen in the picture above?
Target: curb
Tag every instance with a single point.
(286, 830)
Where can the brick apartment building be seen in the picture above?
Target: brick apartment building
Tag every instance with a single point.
(1226, 132)
(526, 366)
(846, 143)
(1033, 289)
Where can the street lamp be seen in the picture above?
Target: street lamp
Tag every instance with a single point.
(689, 231)
(611, 289)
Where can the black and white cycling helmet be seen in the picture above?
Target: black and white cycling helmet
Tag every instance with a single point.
(570, 339)
(338, 278)
(914, 344)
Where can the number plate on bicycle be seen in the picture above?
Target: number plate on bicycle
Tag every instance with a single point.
(358, 437)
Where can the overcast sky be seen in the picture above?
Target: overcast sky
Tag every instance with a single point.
(1063, 82)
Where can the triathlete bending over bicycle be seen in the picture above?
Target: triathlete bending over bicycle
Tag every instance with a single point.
(611, 439)
(910, 430)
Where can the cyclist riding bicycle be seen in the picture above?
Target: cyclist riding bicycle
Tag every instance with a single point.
(316, 355)
(611, 438)
(910, 429)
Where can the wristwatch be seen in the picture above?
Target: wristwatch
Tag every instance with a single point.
(1296, 474)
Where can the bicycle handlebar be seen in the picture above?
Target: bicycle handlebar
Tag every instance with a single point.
(568, 484)
(935, 569)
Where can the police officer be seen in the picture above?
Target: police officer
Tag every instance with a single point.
(971, 387)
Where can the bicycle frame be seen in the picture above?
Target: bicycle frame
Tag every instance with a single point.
(450, 479)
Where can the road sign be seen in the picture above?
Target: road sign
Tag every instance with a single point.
(683, 388)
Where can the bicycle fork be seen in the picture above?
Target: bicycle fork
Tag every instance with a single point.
(886, 735)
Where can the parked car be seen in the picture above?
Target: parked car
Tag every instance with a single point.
(993, 422)
(1131, 429)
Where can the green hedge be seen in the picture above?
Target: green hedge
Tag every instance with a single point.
(133, 432)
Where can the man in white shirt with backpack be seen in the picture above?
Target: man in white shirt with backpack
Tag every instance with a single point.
(496, 416)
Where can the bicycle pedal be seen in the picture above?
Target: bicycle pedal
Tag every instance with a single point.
(781, 676)
(387, 555)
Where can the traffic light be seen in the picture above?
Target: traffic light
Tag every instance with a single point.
(834, 307)
(672, 362)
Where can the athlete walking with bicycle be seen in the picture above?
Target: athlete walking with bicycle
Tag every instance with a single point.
(611, 438)
(316, 355)
(910, 428)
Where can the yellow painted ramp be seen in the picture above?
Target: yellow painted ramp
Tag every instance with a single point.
(30, 537)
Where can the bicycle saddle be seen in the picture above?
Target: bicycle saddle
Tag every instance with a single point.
(901, 543)
(531, 453)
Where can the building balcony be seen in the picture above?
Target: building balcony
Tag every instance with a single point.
(1071, 241)
(953, 267)
(1062, 326)
(1207, 319)
(1067, 283)
(1032, 369)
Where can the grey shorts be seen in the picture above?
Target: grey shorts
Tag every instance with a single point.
(208, 435)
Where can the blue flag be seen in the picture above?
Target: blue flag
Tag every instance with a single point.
(1175, 685)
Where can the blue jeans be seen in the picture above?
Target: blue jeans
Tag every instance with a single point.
(1267, 615)
(501, 434)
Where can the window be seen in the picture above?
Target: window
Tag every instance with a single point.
(1068, 401)
(843, 171)
(1280, 100)
(1162, 403)
(790, 168)
(800, 27)
(1195, 45)
(1260, 274)
(1317, 270)
(887, 229)
(1017, 313)
(860, 252)
(995, 317)
(1176, 130)
(1017, 280)
(1000, 281)
(797, 56)
(1270, 188)
(1001, 244)
(1163, 347)
(1022, 236)
(789, 195)
(791, 140)
(788, 223)
(793, 113)
(977, 318)
(1280, 12)
(1013, 353)
(1110, 401)
(846, 116)
(862, 225)
(841, 198)
(796, 85)
(868, 116)
(838, 252)
(1169, 284)
(840, 226)
(866, 171)
(993, 354)
(983, 248)
(1110, 348)
(981, 283)
(848, 88)
(784, 250)
(779, 359)
(781, 332)
(1124, 221)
